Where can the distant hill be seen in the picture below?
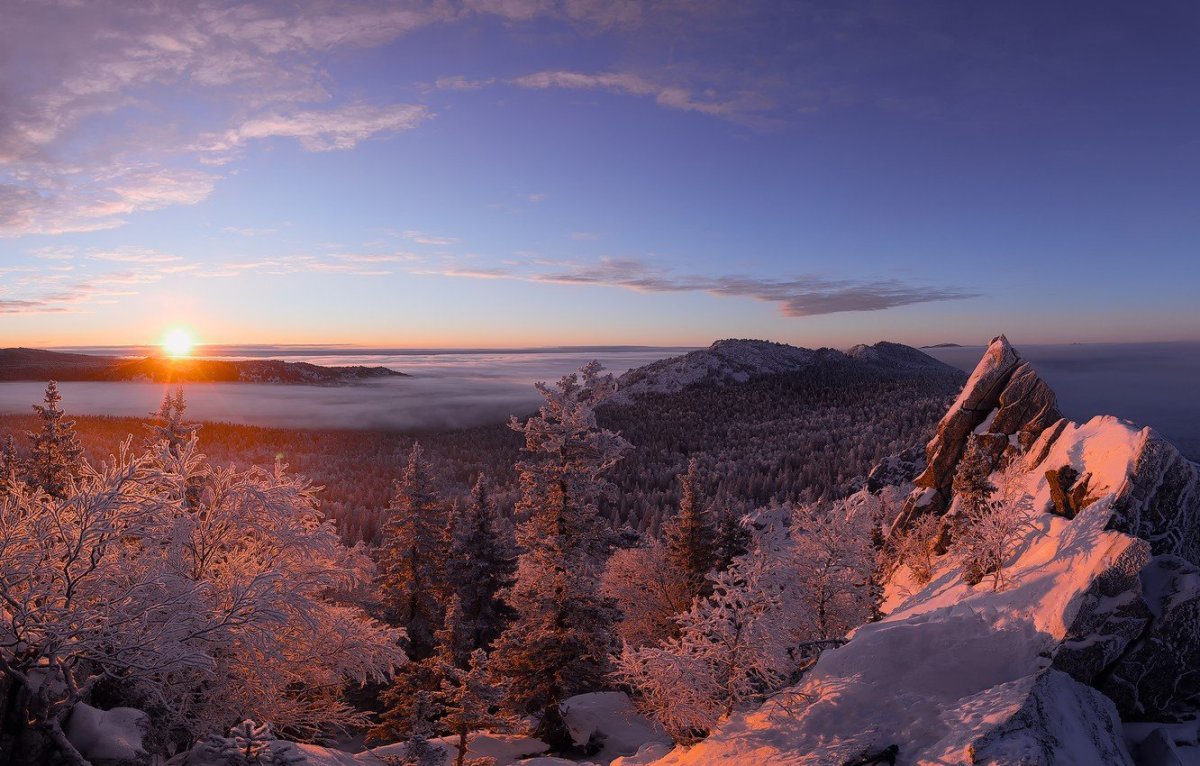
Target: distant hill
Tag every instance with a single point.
(944, 345)
(728, 362)
(36, 364)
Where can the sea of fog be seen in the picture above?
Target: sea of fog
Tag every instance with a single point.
(1150, 384)
(446, 389)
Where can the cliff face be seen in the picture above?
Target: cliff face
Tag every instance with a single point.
(1101, 621)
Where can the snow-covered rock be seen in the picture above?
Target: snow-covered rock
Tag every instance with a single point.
(1103, 607)
(611, 718)
(109, 737)
(1004, 403)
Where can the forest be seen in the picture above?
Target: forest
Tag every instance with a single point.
(410, 587)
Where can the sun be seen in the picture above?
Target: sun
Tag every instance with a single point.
(179, 342)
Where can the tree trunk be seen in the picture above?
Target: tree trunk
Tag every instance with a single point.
(72, 756)
(552, 729)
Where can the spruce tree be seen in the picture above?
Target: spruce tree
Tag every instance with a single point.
(56, 454)
(691, 536)
(482, 561)
(9, 466)
(733, 538)
(562, 637)
(412, 556)
(971, 484)
(973, 490)
(168, 424)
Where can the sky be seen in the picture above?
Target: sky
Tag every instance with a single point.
(491, 173)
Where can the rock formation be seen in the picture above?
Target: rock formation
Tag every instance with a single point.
(1004, 403)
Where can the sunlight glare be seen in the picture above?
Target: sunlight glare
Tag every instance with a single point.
(178, 342)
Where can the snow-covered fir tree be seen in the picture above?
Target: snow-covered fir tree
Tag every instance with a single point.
(732, 538)
(481, 563)
(562, 636)
(972, 486)
(412, 556)
(691, 537)
(9, 464)
(55, 456)
(467, 697)
(972, 489)
(168, 423)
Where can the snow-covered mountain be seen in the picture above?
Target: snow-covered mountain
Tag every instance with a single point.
(738, 361)
(1100, 624)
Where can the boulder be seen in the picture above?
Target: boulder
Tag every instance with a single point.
(1061, 722)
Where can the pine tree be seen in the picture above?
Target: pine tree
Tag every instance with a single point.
(9, 465)
(412, 556)
(691, 536)
(466, 697)
(732, 540)
(56, 457)
(562, 637)
(482, 561)
(971, 485)
(169, 425)
(972, 489)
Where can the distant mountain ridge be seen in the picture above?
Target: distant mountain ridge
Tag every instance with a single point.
(35, 364)
(735, 361)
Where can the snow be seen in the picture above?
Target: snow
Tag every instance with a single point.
(951, 662)
(613, 716)
(114, 734)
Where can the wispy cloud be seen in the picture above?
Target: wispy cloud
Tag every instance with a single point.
(459, 82)
(422, 238)
(133, 255)
(746, 107)
(800, 296)
(321, 130)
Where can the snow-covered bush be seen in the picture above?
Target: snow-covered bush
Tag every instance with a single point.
(916, 547)
(805, 582)
(201, 614)
(987, 533)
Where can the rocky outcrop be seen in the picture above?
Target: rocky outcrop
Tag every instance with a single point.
(1004, 403)
(896, 470)
(1061, 721)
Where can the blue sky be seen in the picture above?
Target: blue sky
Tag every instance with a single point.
(545, 172)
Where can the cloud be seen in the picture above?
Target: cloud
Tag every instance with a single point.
(459, 82)
(800, 296)
(428, 239)
(133, 255)
(747, 107)
(322, 130)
